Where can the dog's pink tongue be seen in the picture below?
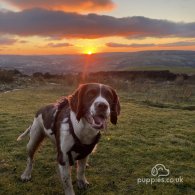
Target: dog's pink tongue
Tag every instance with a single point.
(99, 122)
(96, 122)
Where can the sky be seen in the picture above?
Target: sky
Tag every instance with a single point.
(95, 26)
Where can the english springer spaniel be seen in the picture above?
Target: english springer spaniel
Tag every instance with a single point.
(73, 124)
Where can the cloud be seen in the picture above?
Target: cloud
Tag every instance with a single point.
(7, 41)
(59, 44)
(4, 10)
(47, 23)
(23, 41)
(65, 5)
(179, 44)
(136, 45)
(128, 45)
(54, 38)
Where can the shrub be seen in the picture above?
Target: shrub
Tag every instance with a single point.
(6, 76)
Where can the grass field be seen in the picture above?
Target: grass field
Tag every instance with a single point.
(145, 136)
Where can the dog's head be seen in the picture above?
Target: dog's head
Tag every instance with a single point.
(96, 103)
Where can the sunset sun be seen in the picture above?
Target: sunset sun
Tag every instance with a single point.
(89, 52)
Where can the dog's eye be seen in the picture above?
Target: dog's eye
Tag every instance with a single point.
(91, 94)
(108, 95)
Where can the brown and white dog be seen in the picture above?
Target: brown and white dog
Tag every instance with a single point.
(73, 125)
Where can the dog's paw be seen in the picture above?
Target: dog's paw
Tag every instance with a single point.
(82, 184)
(25, 177)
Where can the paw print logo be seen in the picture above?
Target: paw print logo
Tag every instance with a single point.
(159, 170)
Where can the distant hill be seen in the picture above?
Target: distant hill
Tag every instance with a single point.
(62, 64)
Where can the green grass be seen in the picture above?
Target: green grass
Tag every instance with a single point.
(145, 135)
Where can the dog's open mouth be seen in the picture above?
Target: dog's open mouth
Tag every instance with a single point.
(97, 121)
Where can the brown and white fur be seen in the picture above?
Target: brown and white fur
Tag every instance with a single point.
(90, 106)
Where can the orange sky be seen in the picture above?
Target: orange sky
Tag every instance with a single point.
(52, 29)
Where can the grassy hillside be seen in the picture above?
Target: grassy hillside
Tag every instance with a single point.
(145, 136)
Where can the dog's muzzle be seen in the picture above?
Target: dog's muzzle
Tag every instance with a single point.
(98, 120)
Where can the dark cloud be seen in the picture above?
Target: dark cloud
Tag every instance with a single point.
(60, 24)
(54, 38)
(3, 9)
(65, 5)
(7, 41)
(179, 44)
(59, 44)
(23, 41)
(128, 45)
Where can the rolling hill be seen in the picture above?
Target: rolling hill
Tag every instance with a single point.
(62, 64)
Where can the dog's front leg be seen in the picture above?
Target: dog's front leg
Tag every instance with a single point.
(65, 173)
(81, 179)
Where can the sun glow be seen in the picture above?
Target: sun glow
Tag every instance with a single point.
(89, 52)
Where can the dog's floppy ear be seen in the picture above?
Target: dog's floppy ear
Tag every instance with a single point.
(76, 101)
(115, 108)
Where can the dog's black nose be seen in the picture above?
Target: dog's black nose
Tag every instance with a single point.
(101, 106)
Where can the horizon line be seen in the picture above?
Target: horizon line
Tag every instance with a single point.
(97, 53)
